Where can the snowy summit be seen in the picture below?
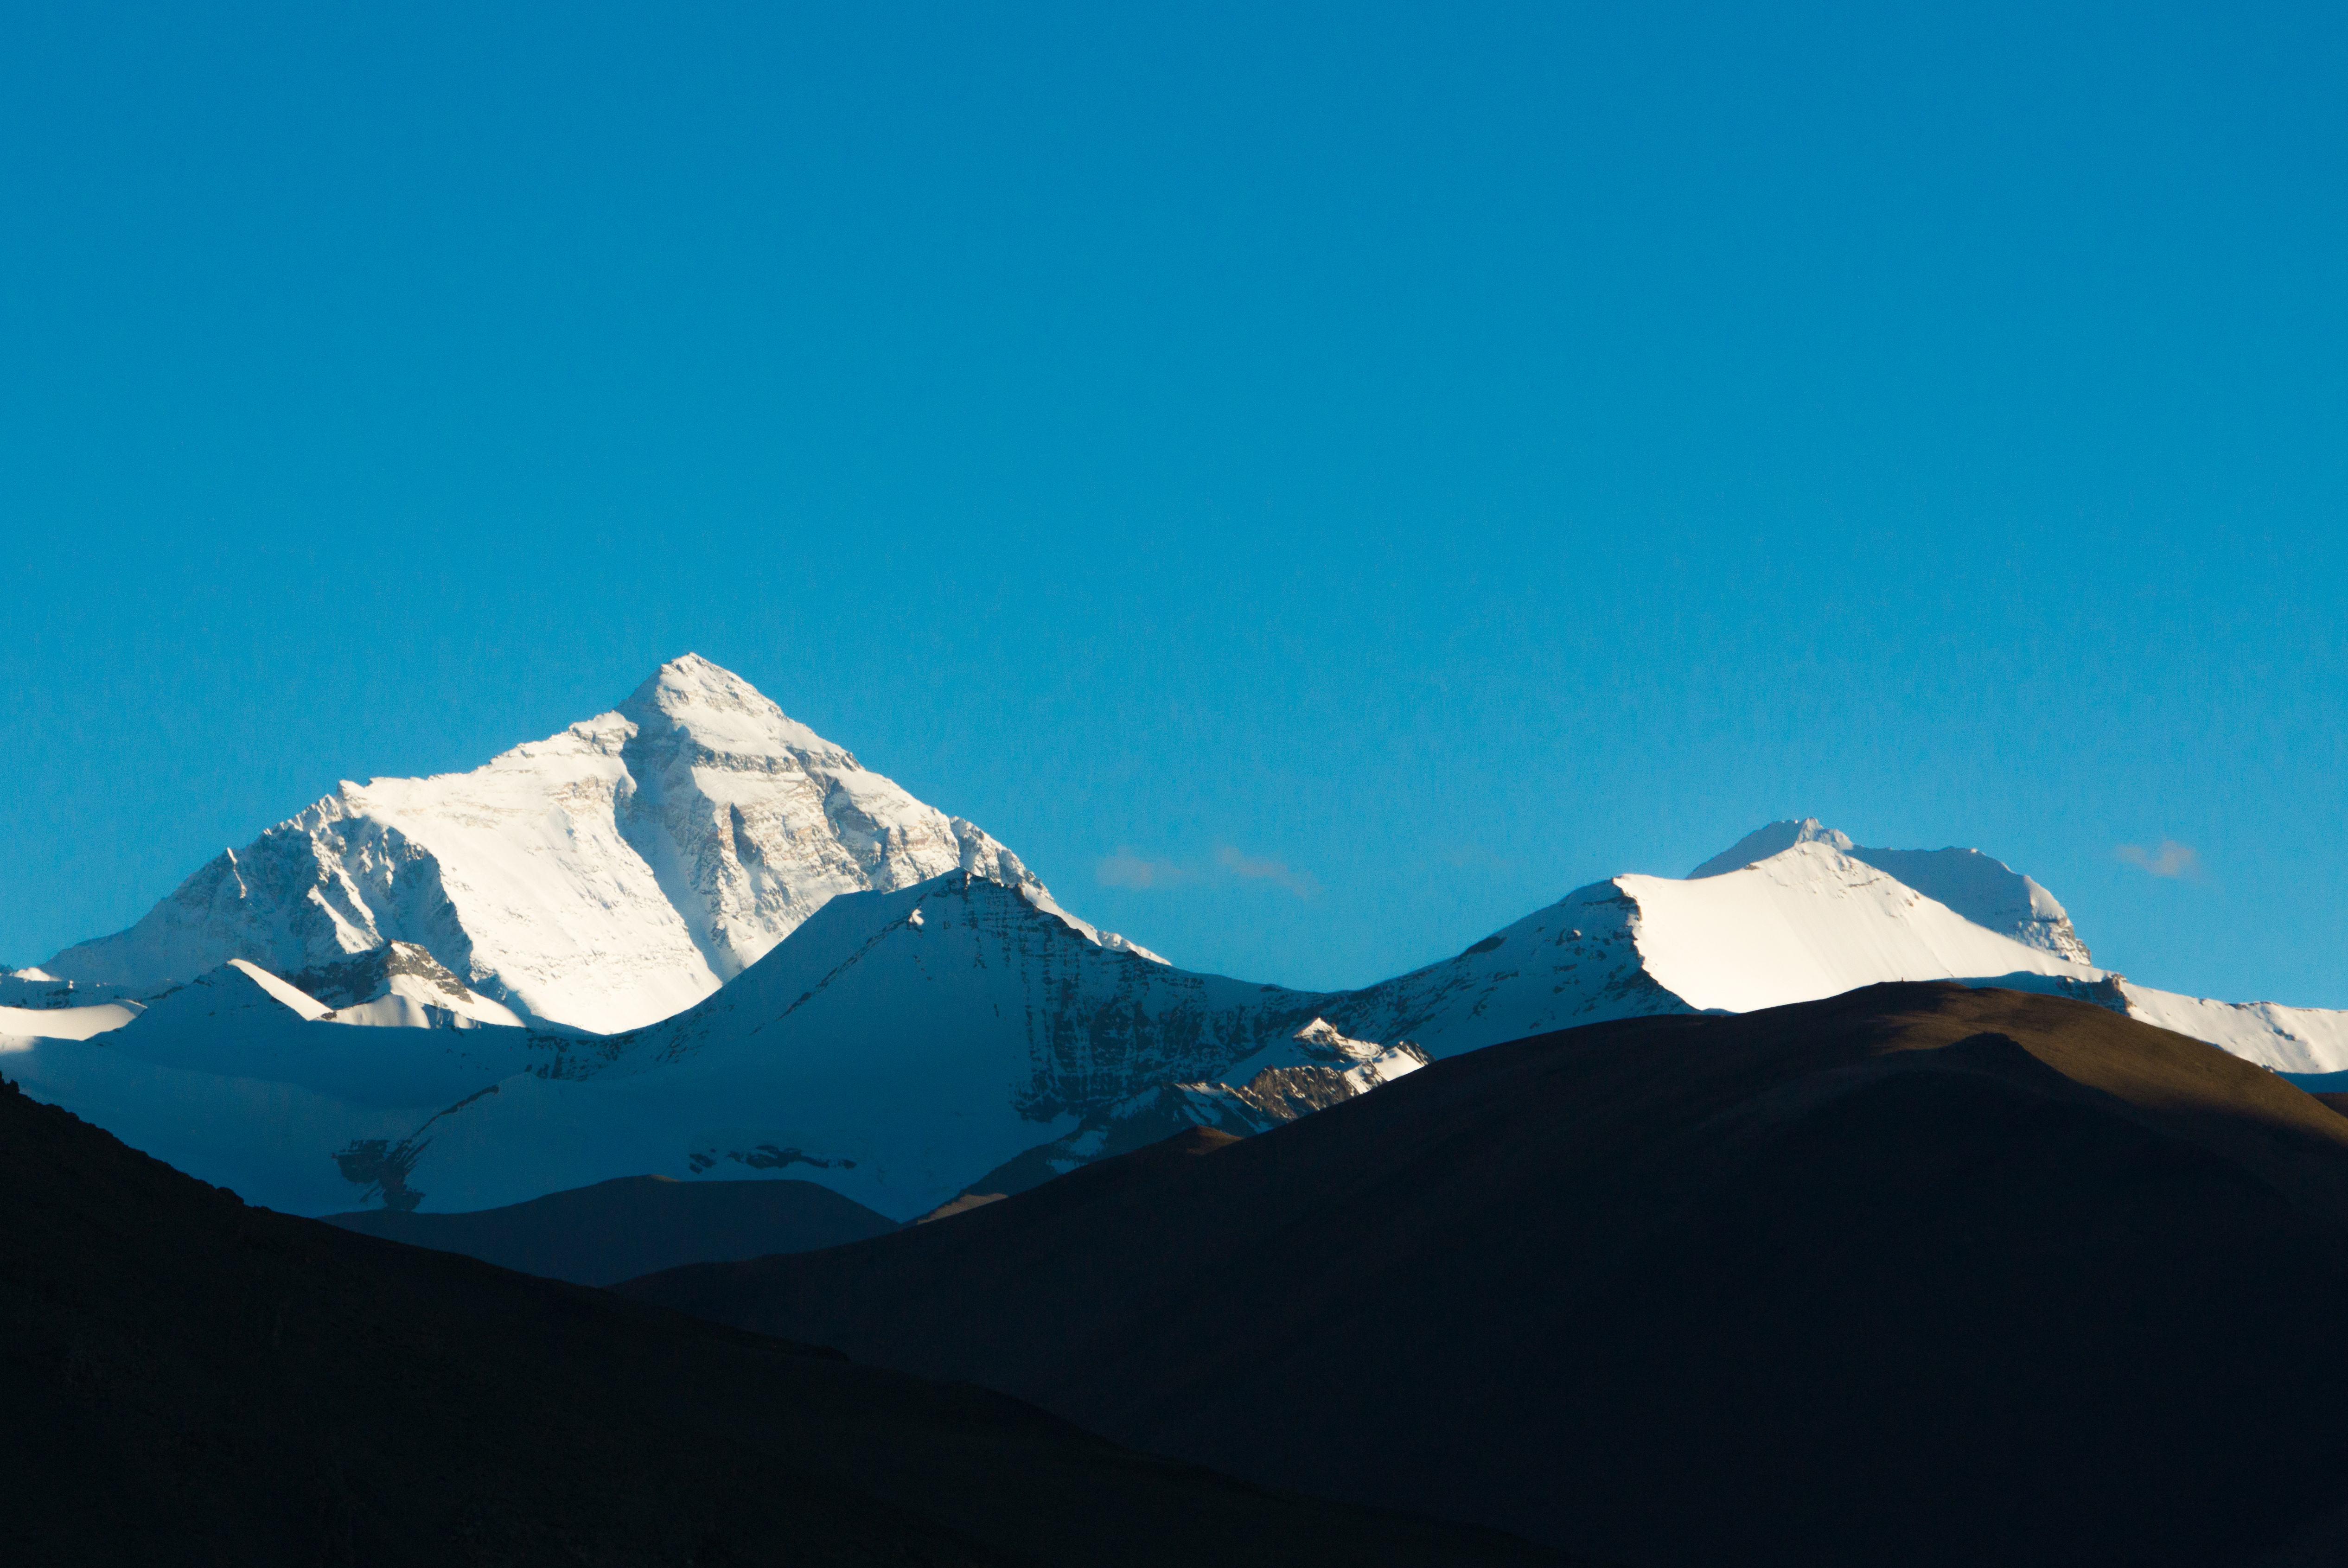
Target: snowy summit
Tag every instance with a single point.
(603, 878)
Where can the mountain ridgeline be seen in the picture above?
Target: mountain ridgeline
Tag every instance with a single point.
(692, 939)
(194, 1381)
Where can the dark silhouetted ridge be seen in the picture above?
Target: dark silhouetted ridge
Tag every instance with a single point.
(634, 1225)
(1918, 1275)
(191, 1381)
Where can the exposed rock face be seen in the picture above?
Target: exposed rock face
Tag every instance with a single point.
(605, 878)
(898, 1046)
(398, 984)
(1313, 1070)
(750, 821)
(1577, 962)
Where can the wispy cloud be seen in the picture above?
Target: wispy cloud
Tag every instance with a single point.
(1474, 857)
(2171, 859)
(1302, 883)
(1130, 869)
(1126, 869)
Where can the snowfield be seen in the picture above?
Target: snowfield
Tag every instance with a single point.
(67, 1023)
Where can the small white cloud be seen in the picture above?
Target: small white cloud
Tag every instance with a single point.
(2170, 860)
(1126, 869)
(1302, 883)
(1129, 869)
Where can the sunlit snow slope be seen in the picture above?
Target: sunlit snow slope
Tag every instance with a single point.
(962, 1033)
(2288, 1039)
(612, 875)
(1808, 922)
(895, 1047)
(66, 1023)
(1989, 892)
(1806, 919)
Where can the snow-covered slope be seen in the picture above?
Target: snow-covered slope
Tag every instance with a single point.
(896, 1046)
(1808, 922)
(67, 1023)
(610, 876)
(1807, 919)
(2288, 1039)
(243, 1079)
(270, 1141)
(240, 1021)
(36, 989)
(1989, 892)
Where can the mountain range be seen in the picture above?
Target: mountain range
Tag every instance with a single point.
(690, 938)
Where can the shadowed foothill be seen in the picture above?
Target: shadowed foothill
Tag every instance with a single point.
(633, 1224)
(190, 1380)
(1916, 1274)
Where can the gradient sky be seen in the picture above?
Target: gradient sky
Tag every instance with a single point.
(1318, 481)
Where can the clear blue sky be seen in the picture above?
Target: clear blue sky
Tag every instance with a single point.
(1455, 453)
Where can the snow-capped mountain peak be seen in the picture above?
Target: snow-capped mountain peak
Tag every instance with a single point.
(1773, 839)
(1810, 921)
(1807, 919)
(606, 877)
(1989, 892)
(725, 715)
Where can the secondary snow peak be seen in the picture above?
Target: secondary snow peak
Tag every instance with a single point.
(1774, 839)
(1987, 891)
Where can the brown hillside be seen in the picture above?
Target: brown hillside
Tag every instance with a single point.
(1918, 1274)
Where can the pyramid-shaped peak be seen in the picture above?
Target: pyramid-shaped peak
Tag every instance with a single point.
(690, 678)
(724, 713)
(1774, 839)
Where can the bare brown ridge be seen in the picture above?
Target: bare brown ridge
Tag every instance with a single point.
(1917, 1274)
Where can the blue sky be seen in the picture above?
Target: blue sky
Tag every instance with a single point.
(1317, 481)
